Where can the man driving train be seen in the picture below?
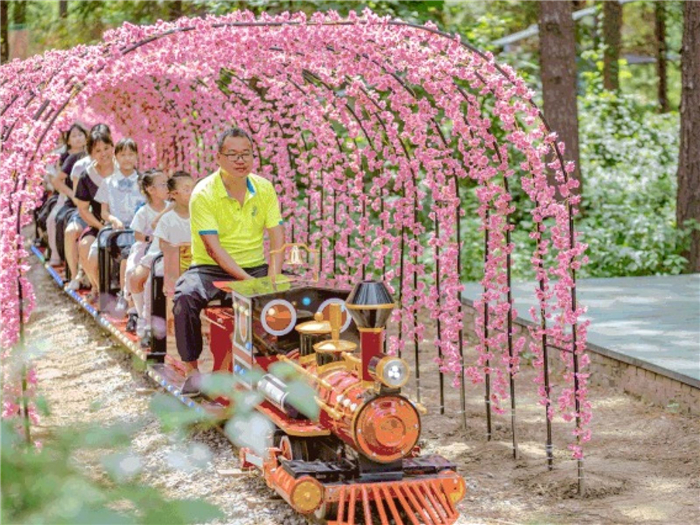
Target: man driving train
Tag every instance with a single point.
(229, 212)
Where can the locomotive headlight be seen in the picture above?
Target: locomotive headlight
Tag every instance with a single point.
(391, 371)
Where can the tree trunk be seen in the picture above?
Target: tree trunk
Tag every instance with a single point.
(63, 9)
(558, 72)
(661, 64)
(4, 45)
(688, 201)
(19, 12)
(174, 9)
(612, 29)
(19, 45)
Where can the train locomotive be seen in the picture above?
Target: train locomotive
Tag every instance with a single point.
(359, 460)
(363, 448)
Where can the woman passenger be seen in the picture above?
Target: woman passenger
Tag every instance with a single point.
(76, 138)
(101, 149)
(75, 165)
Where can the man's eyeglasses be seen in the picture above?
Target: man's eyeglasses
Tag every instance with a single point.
(238, 156)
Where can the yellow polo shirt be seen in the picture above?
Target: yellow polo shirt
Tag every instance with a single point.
(240, 228)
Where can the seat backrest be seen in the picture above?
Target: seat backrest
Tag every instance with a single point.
(63, 217)
(175, 265)
(185, 252)
(45, 210)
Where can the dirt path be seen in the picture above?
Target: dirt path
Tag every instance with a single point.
(642, 466)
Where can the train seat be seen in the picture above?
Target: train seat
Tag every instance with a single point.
(113, 247)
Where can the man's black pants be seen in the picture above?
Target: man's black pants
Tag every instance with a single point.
(193, 291)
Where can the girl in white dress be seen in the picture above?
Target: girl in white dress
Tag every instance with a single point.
(154, 186)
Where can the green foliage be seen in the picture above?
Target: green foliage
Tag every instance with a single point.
(629, 160)
(46, 485)
(479, 22)
(629, 157)
(174, 416)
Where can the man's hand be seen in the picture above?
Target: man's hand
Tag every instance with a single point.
(222, 258)
(116, 223)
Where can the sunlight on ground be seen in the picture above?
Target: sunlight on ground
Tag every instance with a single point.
(646, 512)
(665, 485)
(455, 449)
(532, 450)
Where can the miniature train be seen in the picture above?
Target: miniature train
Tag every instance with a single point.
(358, 462)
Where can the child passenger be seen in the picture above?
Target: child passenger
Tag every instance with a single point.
(120, 197)
(171, 232)
(154, 185)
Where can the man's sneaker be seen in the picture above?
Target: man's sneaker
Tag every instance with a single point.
(192, 385)
(132, 323)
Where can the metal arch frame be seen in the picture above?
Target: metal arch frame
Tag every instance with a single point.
(554, 146)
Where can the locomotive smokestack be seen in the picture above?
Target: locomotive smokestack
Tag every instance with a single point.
(370, 305)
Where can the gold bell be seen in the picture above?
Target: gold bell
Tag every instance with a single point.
(295, 257)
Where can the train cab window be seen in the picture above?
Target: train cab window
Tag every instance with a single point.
(278, 317)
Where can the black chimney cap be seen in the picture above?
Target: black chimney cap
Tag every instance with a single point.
(370, 304)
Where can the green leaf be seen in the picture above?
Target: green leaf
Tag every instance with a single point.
(301, 396)
(219, 384)
(122, 466)
(90, 516)
(42, 406)
(282, 370)
(115, 435)
(253, 431)
(183, 511)
(174, 415)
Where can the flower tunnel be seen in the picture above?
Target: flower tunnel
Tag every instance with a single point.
(372, 130)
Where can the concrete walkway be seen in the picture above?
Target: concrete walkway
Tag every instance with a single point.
(653, 322)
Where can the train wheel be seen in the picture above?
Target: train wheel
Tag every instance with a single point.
(293, 448)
